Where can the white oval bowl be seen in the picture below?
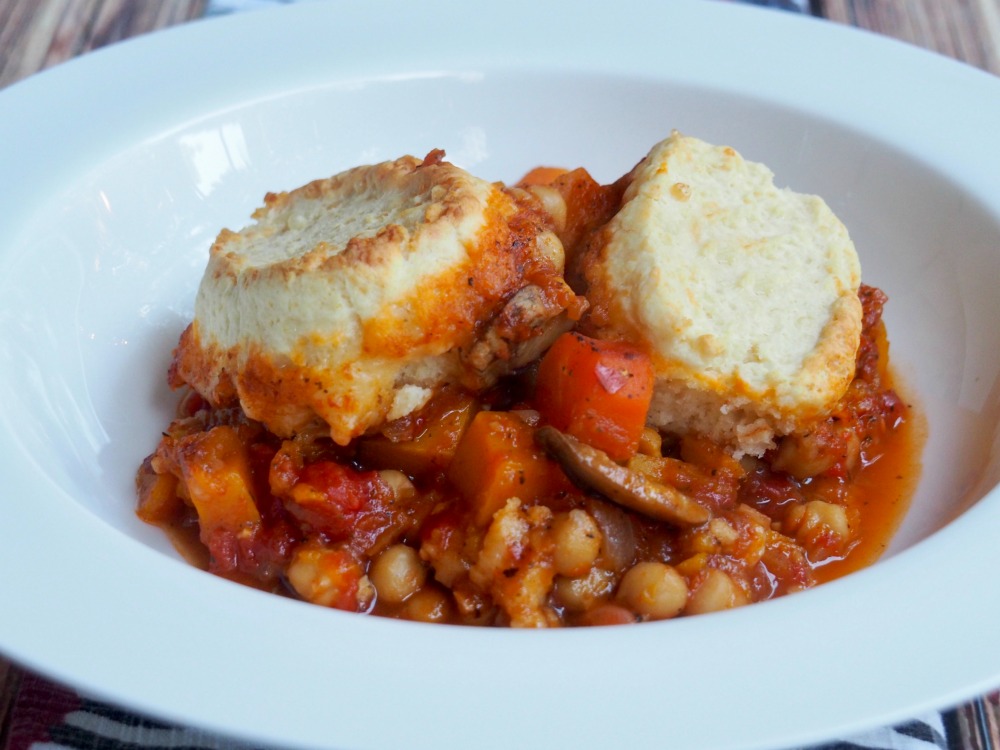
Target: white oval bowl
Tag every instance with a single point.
(118, 169)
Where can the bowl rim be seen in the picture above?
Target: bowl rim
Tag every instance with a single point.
(61, 635)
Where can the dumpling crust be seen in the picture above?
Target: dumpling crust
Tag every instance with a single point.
(744, 293)
(351, 299)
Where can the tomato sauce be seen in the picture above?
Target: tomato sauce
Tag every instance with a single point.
(545, 500)
(460, 514)
(883, 489)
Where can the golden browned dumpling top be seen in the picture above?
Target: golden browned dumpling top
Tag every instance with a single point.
(352, 299)
(745, 294)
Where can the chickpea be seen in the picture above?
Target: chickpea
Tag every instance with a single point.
(810, 454)
(577, 542)
(715, 591)
(400, 484)
(832, 516)
(653, 590)
(803, 456)
(821, 527)
(583, 593)
(330, 577)
(429, 604)
(397, 573)
(717, 535)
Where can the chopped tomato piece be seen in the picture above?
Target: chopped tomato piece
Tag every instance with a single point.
(329, 498)
(597, 391)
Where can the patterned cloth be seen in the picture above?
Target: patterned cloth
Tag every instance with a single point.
(45, 716)
(48, 717)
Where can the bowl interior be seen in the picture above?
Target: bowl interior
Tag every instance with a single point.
(102, 280)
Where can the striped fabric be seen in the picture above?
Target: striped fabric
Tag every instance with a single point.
(49, 717)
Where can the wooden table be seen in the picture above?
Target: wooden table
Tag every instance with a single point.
(36, 34)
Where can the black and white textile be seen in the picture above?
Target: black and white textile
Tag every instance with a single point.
(49, 717)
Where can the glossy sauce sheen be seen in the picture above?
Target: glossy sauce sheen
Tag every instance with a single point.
(885, 488)
(544, 500)
(444, 521)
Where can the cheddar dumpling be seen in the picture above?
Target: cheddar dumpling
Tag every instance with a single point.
(745, 294)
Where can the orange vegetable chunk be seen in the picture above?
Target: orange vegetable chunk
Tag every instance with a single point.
(597, 391)
(542, 176)
(216, 470)
(158, 500)
(496, 460)
(433, 445)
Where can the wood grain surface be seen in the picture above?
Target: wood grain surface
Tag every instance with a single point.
(36, 34)
(967, 30)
